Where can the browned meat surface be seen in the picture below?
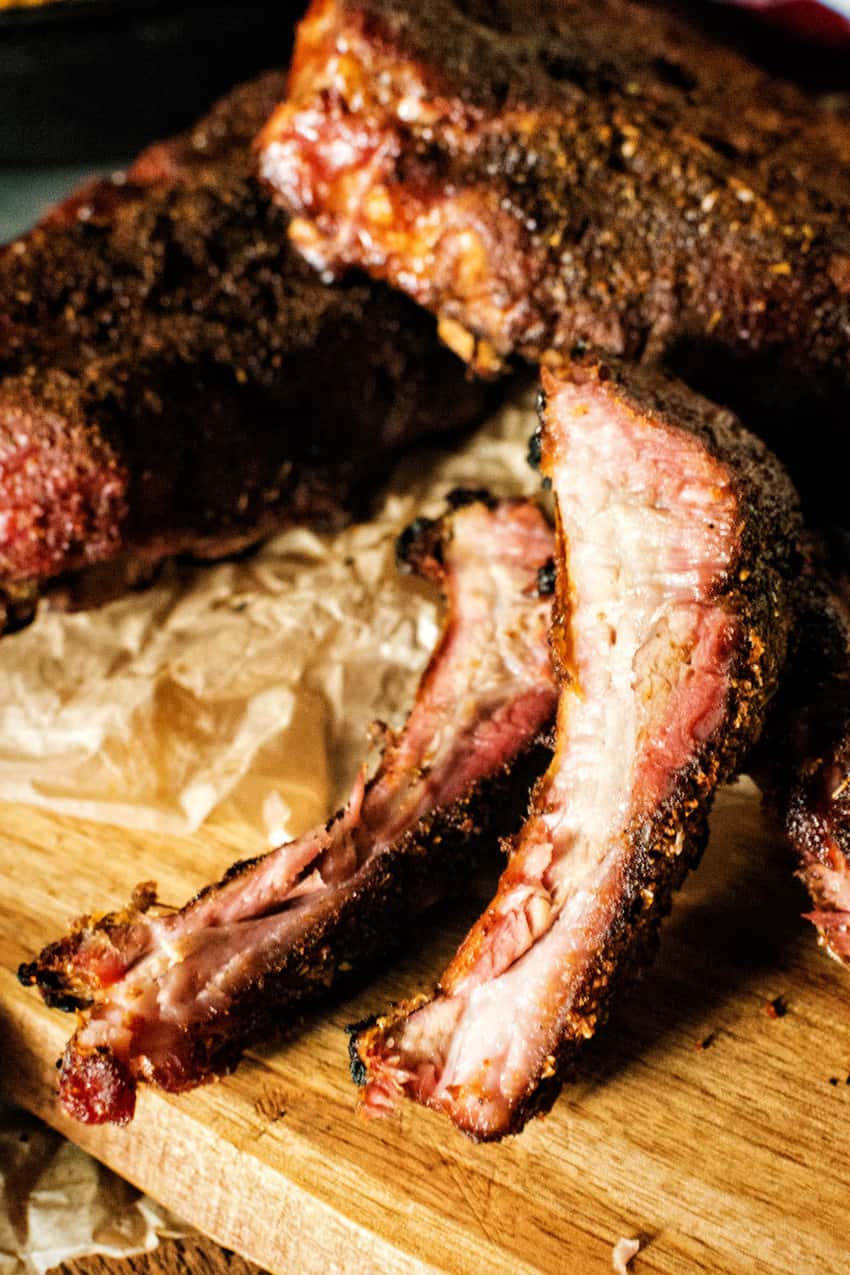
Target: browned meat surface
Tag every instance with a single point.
(677, 547)
(543, 172)
(170, 999)
(803, 763)
(173, 378)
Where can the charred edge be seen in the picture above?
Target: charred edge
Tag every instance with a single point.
(537, 1105)
(235, 870)
(546, 579)
(410, 541)
(356, 1066)
(53, 970)
(458, 497)
(51, 985)
(65, 1003)
(535, 443)
(28, 974)
(423, 537)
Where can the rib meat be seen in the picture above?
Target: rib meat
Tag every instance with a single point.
(677, 543)
(543, 172)
(174, 378)
(803, 763)
(173, 998)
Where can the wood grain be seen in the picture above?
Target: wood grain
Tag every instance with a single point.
(730, 1158)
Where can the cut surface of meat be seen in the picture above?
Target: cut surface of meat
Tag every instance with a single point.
(173, 998)
(543, 173)
(677, 541)
(803, 762)
(175, 379)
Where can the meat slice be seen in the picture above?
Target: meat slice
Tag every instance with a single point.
(172, 998)
(677, 541)
(803, 763)
(542, 172)
(175, 379)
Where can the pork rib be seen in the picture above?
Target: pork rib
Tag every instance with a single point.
(172, 999)
(677, 541)
(542, 172)
(174, 379)
(803, 763)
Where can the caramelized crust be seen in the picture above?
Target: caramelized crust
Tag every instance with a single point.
(174, 378)
(544, 173)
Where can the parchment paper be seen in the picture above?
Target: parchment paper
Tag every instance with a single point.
(57, 1203)
(252, 682)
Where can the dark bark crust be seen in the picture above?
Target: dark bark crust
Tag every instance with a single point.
(635, 184)
(758, 595)
(659, 179)
(174, 379)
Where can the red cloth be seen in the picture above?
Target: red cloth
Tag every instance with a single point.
(805, 17)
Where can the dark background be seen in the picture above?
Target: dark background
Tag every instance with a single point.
(84, 84)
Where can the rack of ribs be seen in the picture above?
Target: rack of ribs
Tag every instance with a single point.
(173, 998)
(678, 547)
(174, 378)
(545, 172)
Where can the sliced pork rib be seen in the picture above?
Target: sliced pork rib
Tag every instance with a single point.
(676, 545)
(803, 762)
(172, 998)
(539, 172)
(174, 378)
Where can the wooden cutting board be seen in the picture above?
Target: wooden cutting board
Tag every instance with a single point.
(727, 1158)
